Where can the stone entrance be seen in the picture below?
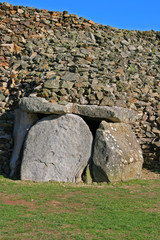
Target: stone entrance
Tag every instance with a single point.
(61, 145)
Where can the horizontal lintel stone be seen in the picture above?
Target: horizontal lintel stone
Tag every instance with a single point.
(114, 114)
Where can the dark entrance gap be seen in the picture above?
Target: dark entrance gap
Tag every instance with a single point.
(93, 124)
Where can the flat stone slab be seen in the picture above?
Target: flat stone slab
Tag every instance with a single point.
(41, 105)
(117, 154)
(57, 148)
(114, 114)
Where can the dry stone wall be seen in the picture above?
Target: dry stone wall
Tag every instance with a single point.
(65, 58)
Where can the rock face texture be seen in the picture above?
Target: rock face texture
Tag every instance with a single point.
(117, 155)
(57, 148)
(23, 122)
(64, 59)
(113, 114)
(40, 105)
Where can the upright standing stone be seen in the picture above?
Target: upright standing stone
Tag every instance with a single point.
(117, 155)
(57, 148)
(22, 124)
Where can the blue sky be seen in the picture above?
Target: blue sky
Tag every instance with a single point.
(123, 14)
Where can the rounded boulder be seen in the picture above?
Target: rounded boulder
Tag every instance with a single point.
(57, 148)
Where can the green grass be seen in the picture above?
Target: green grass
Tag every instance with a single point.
(53, 210)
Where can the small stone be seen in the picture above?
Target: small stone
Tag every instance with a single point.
(158, 120)
(45, 93)
(70, 77)
(152, 118)
(106, 101)
(6, 6)
(124, 42)
(67, 85)
(140, 48)
(2, 97)
(132, 47)
(20, 11)
(99, 95)
(52, 84)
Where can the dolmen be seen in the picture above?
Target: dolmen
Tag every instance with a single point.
(54, 142)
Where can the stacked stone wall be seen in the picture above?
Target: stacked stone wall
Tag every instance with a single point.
(66, 58)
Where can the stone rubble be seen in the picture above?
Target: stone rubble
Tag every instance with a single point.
(64, 59)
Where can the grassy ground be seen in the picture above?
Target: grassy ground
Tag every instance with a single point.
(70, 211)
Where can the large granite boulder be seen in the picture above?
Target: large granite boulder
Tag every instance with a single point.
(22, 123)
(117, 155)
(57, 148)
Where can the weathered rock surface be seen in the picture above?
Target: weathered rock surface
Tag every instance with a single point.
(117, 155)
(23, 122)
(114, 114)
(40, 105)
(57, 148)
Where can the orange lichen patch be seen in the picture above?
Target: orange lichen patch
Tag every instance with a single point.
(91, 22)
(133, 100)
(27, 15)
(74, 21)
(78, 26)
(58, 24)
(4, 64)
(7, 92)
(52, 101)
(89, 59)
(87, 24)
(44, 10)
(17, 48)
(120, 72)
(54, 14)
(13, 75)
(90, 47)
